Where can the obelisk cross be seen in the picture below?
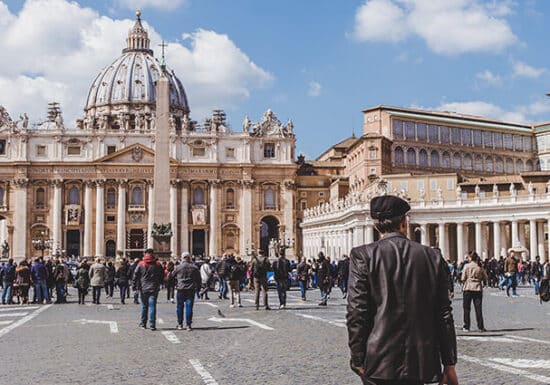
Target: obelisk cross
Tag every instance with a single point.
(163, 62)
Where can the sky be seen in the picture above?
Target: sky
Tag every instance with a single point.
(317, 62)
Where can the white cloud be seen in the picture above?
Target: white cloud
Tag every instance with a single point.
(526, 71)
(314, 89)
(159, 4)
(447, 27)
(489, 78)
(538, 110)
(68, 46)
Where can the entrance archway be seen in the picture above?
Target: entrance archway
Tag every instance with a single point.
(199, 242)
(110, 249)
(73, 243)
(137, 243)
(269, 229)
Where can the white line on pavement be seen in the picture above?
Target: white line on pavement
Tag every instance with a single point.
(339, 323)
(251, 322)
(171, 337)
(20, 308)
(113, 326)
(160, 321)
(5, 322)
(20, 322)
(489, 339)
(507, 369)
(14, 314)
(206, 377)
(523, 363)
(529, 339)
(207, 303)
(110, 307)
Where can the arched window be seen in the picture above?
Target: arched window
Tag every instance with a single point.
(489, 164)
(137, 196)
(230, 240)
(478, 163)
(1, 196)
(446, 160)
(529, 165)
(468, 162)
(411, 156)
(537, 165)
(423, 158)
(269, 199)
(399, 158)
(40, 202)
(434, 159)
(509, 166)
(457, 162)
(230, 198)
(519, 166)
(198, 196)
(499, 165)
(74, 196)
(111, 198)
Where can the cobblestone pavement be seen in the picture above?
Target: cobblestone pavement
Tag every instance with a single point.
(304, 344)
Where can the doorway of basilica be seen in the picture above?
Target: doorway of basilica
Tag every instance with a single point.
(269, 230)
(73, 243)
(110, 249)
(136, 243)
(199, 242)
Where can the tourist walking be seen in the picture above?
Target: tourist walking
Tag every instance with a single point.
(473, 276)
(323, 277)
(109, 279)
(59, 277)
(23, 279)
(188, 282)
(206, 276)
(38, 275)
(169, 281)
(148, 277)
(510, 272)
(122, 276)
(97, 280)
(8, 278)
(343, 272)
(135, 287)
(233, 277)
(82, 281)
(399, 316)
(536, 273)
(281, 267)
(260, 267)
(302, 275)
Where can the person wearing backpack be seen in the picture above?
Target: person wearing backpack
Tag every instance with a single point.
(82, 281)
(323, 278)
(59, 276)
(233, 275)
(281, 267)
(260, 267)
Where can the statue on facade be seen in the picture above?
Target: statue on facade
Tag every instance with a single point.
(477, 191)
(495, 190)
(422, 194)
(5, 249)
(186, 122)
(122, 120)
(24, 120)
(512, 190)
(59, 121)
(246, 124)
(139, 122)
(172, 122)
(439, 194)
(103, 120)
(152, 121)
(530, 188)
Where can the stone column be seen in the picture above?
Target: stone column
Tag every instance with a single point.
(479, 241)
(424, 234)
(246, 216)
(57, 213)
(442, 240)
(185, 217)
(358, 236)
(515, 233)
(174, 215)
(521, 233)
(540, 238)
(99, 218)
(370, 233)
(88, 219)
(496, 239)
(20, 225)
(213, 215)
(121, 216)
(459, 242)
(548, 227)
(151, 214)
(532, 239)
(288, 215)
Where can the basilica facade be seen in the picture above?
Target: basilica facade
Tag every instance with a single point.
(86, 189)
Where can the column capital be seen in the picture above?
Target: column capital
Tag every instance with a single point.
(21, 182)
(122, 182)
(289, 184)
(100, 182)
(88, 183)
(248, 183)
(149, 182)
(57, 182)
(184, 184)
(216, 183)
(174, 182)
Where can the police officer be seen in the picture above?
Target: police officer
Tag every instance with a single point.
(399, 316)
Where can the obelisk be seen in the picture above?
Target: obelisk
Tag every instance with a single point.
(161, 187)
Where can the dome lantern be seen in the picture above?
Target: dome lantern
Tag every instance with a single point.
(138, 39)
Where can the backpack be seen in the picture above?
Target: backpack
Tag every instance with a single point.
(544, 290)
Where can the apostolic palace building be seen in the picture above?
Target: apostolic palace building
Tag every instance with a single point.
(86, 188)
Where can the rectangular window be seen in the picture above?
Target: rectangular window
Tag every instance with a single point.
(450, 184)
(73, 150)
(372, 154)
(110, 218)
(455, 135)
(397, 129)
(488, 139)
(2, 147)
(477, 138)
(508, 141)
(527, 143)
(420, 185)
(466, 137)
(497, 138)
(111, 149)
(230, 153)
(269, 150)
(410, 130)
(433, 133)
(518, 142)
(303, 205)
(433, 184)
(41, 150)
(199, 151)
(404, 185)
(321, 194)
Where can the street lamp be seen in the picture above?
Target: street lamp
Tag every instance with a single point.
(42, 244)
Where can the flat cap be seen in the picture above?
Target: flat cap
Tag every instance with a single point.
(388, 206)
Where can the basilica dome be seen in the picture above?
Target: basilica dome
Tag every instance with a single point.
(125, 89)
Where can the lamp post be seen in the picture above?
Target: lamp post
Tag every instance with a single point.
(42, 244)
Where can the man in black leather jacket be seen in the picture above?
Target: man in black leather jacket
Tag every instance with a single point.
(399, 316)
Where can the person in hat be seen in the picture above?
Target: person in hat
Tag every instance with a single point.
(148, 277)
(188, 282)
(399, 316)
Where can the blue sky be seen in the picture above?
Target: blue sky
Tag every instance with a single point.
(318, 62)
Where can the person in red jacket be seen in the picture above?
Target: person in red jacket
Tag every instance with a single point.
(148, 277)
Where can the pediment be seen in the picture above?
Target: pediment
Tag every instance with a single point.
(135, 154)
